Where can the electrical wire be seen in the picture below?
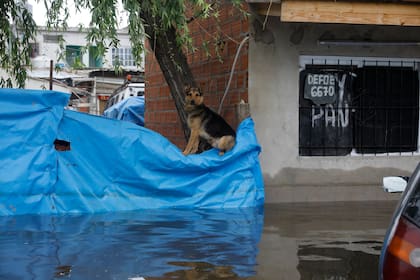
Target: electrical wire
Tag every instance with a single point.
(231, 72)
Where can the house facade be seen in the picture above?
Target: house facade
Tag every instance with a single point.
(79, 69)
(74, 53)
(334, 92)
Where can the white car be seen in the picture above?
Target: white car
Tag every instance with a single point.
(124, 92)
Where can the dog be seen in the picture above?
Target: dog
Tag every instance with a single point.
(205, 124)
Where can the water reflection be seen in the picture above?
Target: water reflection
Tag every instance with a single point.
(335, 262)
(199, 270)
(153, 244)
(323, 240)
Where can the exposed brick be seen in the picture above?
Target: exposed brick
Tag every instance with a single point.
(211, 74)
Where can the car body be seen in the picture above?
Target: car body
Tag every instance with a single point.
(400, 255)
(129, 89)
(127, 102)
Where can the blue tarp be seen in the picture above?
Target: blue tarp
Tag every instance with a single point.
(130, 109)
(111, 165)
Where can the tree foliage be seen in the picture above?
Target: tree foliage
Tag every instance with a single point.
(164, 23)
(17, 31)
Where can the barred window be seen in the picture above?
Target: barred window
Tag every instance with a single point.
(359, 107)
(123, 57)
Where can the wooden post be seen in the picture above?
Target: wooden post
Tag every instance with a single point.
(241, 112)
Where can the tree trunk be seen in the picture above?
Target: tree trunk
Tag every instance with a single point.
(172, 62)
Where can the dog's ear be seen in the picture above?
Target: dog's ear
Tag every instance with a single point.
(187, 88)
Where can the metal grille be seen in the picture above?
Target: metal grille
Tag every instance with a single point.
(369, 108)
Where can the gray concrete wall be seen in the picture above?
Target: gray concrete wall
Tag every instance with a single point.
(274, 103)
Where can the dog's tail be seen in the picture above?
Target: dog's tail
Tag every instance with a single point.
(226, 143)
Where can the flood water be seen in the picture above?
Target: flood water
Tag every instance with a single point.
(327, 241)
(285, 241)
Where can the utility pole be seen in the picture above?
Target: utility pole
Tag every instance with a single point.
(51, 74)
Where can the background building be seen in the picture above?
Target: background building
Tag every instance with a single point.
(78, 69)
(75, 54)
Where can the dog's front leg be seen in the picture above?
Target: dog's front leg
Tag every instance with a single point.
(193, 141)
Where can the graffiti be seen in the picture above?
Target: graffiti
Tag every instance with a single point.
(325, 124)
(332, 117)
(320, 88)
(337, 116)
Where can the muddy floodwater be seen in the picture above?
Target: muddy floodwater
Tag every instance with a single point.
(323, 240)
(282, 241)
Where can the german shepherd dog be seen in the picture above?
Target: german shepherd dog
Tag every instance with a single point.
(206, 124)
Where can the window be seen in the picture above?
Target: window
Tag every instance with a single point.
(359, 107)
(74, 56)
(386, 109)
(48, 38)
(34, 48)
(123, 57)
(411, 210)
(95, 61)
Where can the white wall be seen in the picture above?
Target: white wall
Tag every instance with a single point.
(274, 103)
(74, 37)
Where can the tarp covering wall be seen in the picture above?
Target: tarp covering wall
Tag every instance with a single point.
(111, 165)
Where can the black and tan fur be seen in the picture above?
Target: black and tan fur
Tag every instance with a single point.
(206, 124)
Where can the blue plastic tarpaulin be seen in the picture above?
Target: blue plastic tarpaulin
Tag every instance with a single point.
(130, 109)
(111, 165)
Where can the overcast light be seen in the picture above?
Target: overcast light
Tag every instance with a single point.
(76, 18)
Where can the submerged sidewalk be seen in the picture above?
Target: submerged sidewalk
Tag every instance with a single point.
(285, 194)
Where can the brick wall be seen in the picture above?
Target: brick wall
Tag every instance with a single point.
(211, 74)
